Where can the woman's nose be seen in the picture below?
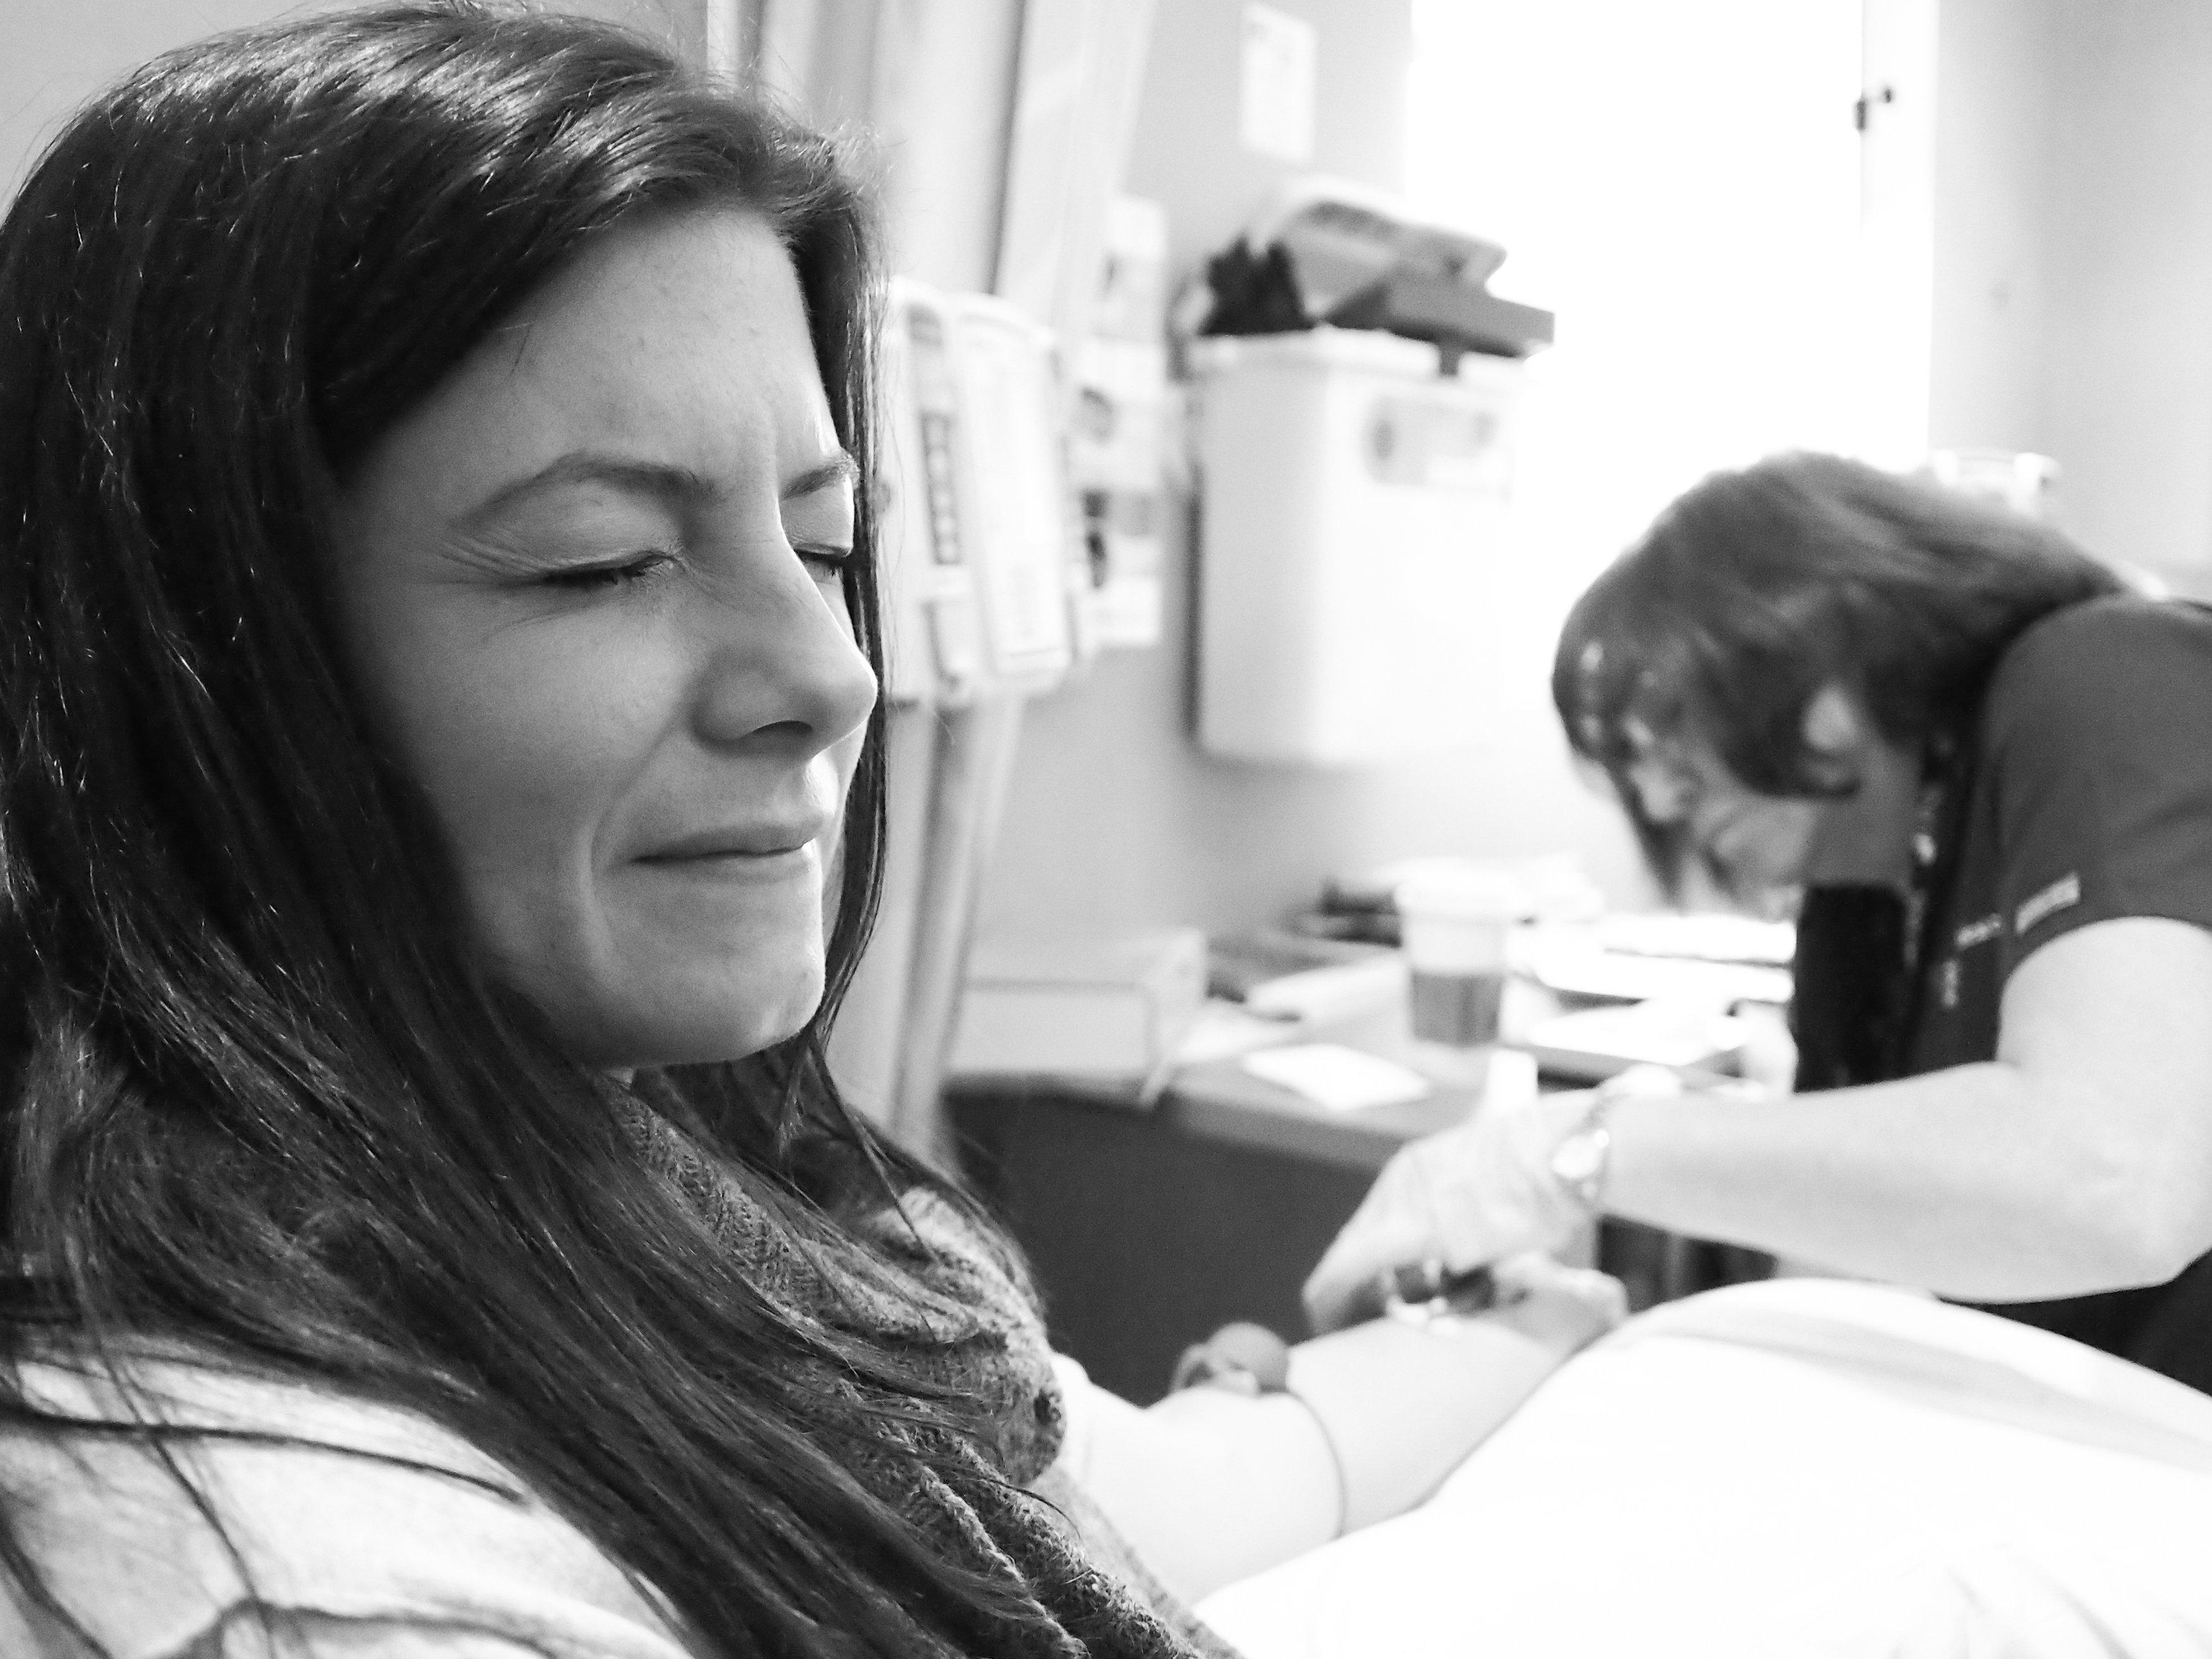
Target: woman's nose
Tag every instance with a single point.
(785, 663)
(1663, 792)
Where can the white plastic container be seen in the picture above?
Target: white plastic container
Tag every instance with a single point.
(1354, 509)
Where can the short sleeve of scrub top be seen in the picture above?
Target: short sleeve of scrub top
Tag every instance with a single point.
(2090, 800)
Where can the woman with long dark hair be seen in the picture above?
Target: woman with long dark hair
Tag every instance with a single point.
(1984, 761)
(440, 806)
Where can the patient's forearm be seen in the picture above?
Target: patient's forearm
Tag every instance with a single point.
(1211, 1486)
(1404, 1405)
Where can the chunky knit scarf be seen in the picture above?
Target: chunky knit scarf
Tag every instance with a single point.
(956, 1308)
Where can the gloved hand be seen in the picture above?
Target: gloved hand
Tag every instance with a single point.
(1572, 1307)
(1469, 1196)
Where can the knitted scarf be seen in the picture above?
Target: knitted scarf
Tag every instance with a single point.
(957, 1309)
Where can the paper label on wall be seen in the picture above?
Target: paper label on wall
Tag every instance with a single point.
(1277, 101)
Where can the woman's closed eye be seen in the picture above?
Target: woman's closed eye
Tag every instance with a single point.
(827, 564)
(616, 573)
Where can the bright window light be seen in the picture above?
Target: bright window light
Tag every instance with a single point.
(1681, 184)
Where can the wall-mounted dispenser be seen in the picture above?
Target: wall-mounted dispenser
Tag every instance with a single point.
(1356, 485)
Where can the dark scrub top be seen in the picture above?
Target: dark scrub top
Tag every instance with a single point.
(2088, 796)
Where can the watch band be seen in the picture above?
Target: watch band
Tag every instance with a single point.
(1584, 1158)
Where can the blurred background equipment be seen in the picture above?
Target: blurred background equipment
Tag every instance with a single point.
(2025, 483)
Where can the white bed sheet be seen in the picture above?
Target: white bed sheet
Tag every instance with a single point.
(1799, 1467)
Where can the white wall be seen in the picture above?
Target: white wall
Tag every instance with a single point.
(54, 54)
(2127, 389)
(1996, 150)
(2074, 261)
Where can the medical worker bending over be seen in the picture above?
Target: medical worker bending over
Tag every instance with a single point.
(1986, 763)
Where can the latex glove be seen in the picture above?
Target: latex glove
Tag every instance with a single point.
(1469, 1196)
(1568, 1307)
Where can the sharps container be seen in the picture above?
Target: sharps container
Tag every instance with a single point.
(1357, 544)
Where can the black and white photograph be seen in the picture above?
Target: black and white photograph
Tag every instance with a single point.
(1105, 830)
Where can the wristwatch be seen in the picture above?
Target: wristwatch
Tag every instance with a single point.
(1580, 1160)
(1578, 1163)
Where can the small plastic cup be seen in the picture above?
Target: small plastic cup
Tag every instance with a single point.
(1453, 927)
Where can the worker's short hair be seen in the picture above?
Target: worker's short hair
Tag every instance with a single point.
(1756, 588)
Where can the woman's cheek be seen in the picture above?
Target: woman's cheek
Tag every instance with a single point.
(528, 745)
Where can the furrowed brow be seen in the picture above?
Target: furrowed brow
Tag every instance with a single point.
(675, 484)
(839, 469)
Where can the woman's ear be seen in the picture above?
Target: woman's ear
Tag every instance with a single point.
(1833, 726)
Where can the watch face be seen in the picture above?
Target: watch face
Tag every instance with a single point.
(1579, 1158)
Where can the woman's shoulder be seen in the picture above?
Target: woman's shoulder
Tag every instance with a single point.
(2121, 633)
(273, 1502)
(2123, 653)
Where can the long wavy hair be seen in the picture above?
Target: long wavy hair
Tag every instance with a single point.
(1756, 588)
(259, 1095)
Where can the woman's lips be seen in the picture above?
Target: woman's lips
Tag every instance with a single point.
(745, 841)
(779, 864)
(1712, 836)
(759, 853)
(1732, 844)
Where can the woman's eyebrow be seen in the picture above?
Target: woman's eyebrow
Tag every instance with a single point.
(839, 469)
(677, 484)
